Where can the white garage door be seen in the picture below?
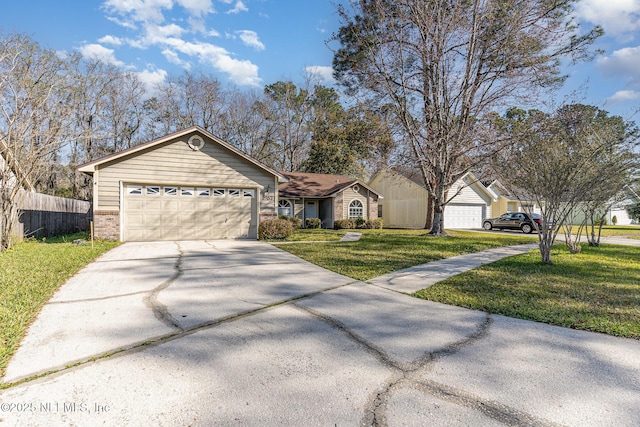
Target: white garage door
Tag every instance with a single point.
(164, 212)
(463, 216)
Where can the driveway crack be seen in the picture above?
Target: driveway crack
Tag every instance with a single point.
(160, 311)
(408, 375)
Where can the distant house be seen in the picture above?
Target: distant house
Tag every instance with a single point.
(405, 201)
(328, 197)
(506, 202)
(10, 171)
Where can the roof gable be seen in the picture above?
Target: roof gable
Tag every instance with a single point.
(90, 167)
(302, 184)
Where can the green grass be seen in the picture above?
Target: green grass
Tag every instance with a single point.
(596, 290)
(30, 273)
(610, 230)
(382, 251)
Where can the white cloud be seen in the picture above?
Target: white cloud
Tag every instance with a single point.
(151, 79)
(239, 7)
(623, 96)
(101, 53)
(622, 62)
(197, 8)
(620, 18)
(147, 17)
(323, 72)
(139, 10)
(112, 40)
(240, 72)
(251, 39)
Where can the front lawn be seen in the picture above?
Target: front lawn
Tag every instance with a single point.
(31, 272)
(382, 251)
(596, 290)
(609, 230)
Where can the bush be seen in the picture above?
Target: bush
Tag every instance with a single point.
(275, 229)
(297, 222)
(345, 224)
(361, 222)
(374, 224)
(313, 223)
(614, 220)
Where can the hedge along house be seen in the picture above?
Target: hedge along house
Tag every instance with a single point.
(328, 197)
(189, 185)
(405, 201)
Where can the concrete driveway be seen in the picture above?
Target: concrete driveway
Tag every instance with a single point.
(241, 333)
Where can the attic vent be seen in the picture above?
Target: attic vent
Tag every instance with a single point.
(196, 142)
(355, 189)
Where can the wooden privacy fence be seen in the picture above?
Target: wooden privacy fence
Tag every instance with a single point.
(45, 216)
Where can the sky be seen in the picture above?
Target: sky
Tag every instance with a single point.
(252, 43)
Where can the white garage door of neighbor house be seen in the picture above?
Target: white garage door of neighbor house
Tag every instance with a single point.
(463, 216)
(164, 212)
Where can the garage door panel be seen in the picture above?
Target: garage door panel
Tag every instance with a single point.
(463, 216)
(187, 215)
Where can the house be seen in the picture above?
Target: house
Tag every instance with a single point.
(10, 171)
(328, 197)
(405, 201)
(506, 202)
(186, 185)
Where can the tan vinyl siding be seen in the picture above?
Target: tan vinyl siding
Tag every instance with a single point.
(175, 163)
(404, 203)
(349, 195)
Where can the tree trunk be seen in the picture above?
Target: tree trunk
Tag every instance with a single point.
(429, 220)
(438, 220)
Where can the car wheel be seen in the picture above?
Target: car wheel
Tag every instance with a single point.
(526, 228)
(487, 226)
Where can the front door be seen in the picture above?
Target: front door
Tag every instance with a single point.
(311, 209)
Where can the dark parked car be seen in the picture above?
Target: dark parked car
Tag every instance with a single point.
(514, 221)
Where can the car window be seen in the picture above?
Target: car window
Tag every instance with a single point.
(505, 216)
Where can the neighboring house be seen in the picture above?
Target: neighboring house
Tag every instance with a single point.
(328, 197)
(405, 201)
(506, 202)
(9, 170)
(186, 185)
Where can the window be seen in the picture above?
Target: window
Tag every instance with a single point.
(285, 208)
(218, 192)
(247, 193)
(355, 209)
(134, 190)
(234, 193)
(204, 192)
(170, 191)
(187, 191)
(153, 191)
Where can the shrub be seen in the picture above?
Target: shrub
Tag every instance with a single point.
(375, 223)
(313, 223)
(275, 229)
(345, 224)
(361, 222)
(614, 220)
(297, 222)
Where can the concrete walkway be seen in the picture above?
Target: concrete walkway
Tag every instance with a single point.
(422, 276)
(241, 333)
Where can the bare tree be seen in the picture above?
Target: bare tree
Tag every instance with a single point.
(35, 112)
(563, 161)
(245, 126)
(444, 65)
(289, 109)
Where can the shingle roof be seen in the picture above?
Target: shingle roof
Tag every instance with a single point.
(312, 184)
